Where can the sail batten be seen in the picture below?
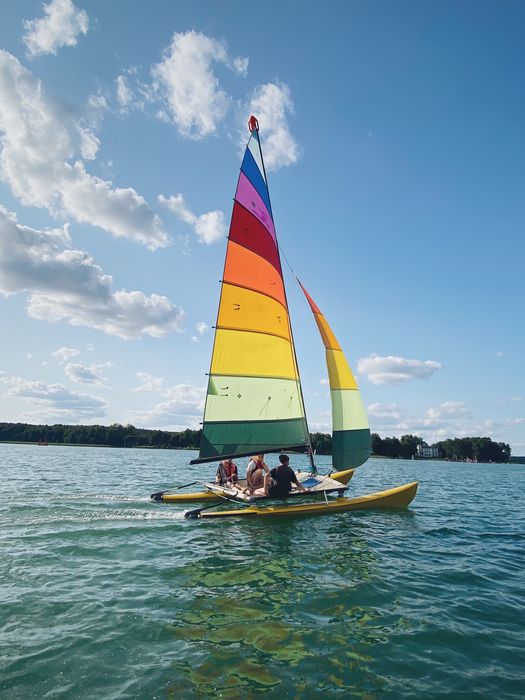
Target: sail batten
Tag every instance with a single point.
(254, 401)
(351, 444)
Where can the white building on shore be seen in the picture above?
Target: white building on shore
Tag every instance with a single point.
(425, 452)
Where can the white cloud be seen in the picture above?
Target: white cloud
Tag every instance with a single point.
(392, 369)
(201, 330)
(384, 410)
(149, 382)
(511, 399)
(131, 93)
(324, 382)
(449, 410)
(123, 91)
(54, 401)
(89, 144)
(66, 285)
(82, 374)
(449, 419)
(186, 81)
(64, 353)
(62, 24)
(38, 161)
(321, 426)
(499, 354)
(183, 409)
(271, 104)
(209, 228)
(241, 65)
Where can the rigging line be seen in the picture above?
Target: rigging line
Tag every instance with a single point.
(286, 259)
(281, 249)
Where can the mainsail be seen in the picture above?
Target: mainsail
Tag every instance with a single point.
(254, 401)
(350, 432)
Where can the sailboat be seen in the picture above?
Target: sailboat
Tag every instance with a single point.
(254, 400)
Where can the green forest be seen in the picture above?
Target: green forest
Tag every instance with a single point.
(480, 449)
(108, 436)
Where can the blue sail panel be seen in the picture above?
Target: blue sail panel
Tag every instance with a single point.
(252, 172)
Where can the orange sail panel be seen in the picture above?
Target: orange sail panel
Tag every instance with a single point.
(351, 444)
(254, 401)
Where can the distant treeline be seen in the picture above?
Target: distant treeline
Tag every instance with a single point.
(116, 435)
(110, 436)
(479, 449)
(405, 448)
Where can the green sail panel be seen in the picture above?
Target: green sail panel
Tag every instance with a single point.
(254, 401)
(246, 438)
(350, 448)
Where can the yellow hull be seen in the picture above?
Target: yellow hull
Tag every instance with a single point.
(189, 497)
(398, 497)
(343, 477)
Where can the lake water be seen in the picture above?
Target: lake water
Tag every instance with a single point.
(106, 595)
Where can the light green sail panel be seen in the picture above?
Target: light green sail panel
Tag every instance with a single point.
(252, 398)
(348, 411)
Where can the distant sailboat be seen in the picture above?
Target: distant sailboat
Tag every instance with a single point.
(254, 399)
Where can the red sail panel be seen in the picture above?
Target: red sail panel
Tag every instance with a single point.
(248, 231)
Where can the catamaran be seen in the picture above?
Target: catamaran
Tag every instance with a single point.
(254, 400)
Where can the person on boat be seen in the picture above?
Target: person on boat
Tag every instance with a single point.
(227, 474)
(256, 472)
(278, 482)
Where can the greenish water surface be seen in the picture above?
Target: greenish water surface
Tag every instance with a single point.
(104, 594)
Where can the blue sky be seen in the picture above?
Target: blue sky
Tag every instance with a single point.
(394, 138)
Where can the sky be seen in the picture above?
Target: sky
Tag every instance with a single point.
(394, 140)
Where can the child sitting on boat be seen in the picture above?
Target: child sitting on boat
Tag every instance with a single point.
(227, 475)
(255, 473)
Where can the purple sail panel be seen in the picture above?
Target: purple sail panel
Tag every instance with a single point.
(248, 196)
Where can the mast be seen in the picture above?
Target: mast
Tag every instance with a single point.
(253, 124)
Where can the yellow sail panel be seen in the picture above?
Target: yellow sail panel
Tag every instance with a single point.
(244, 309)
(339, 372)
(348, 411)
(329, 339)
(252, 354)
(252, 399)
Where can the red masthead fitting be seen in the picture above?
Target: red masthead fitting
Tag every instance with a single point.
(253, 124)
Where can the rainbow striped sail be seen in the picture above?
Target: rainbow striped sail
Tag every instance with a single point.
(254, 402)
(351, 444)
